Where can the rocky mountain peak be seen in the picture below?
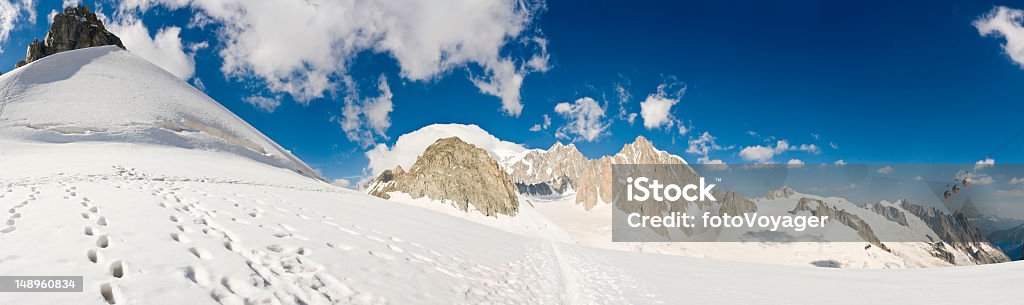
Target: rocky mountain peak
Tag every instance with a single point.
(642, 151)
(639, 143)
(75, 28)
(558, 147)
(784, 192)
(454, 171)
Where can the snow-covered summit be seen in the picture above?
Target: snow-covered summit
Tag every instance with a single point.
(110, 95)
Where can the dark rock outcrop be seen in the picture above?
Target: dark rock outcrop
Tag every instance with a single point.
(454, 171)
(819, 208)
(890, 213)
(957, 231)
(75, 28)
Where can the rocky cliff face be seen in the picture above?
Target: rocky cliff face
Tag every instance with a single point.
(889, 212)
(957, 231)
(552, 171)
(820, 208)
(453, 171)
(75, 28)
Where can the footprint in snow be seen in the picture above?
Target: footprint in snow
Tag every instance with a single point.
(103, 241)
(200, 253)
(382, 255)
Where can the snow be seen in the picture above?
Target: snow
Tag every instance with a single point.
(147, 218)
(189, 226)
(108, 94)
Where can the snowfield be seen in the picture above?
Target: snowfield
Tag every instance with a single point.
(147, 224)
(94, 183)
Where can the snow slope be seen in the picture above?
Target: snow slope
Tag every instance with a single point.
(108, 94)
(163, 225)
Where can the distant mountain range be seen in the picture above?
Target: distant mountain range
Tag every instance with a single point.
(932, 237)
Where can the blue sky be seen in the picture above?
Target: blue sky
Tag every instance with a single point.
(876, 82)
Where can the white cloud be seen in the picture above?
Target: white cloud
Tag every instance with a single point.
(345, 183)
(709, 161)
(363, 120)
(303, 47)
(584, 120)
(840, 162)
(1016, 180)
(918, 178)
(987, 162)
(795, 162)
(164, 49)
(624, 96)
(757, 153)
(542, 126)
(409, 146)
(811, 148)
(656, 110)
(885, 170)
(781, 146)
(764, 154)
(11, 13)
(1005, 22)
(816, 136)
(263, 103)
(833, 145)
(703, 146)
(71, 3)
(980, 179)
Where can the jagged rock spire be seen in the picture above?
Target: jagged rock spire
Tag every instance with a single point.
(75, 28)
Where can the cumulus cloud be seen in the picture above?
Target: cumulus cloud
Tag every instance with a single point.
(71, 3)
(764, 154)
(703, 146)
(11, 12)
(757, 153)
(363, 120)
(345, 183)
(1005, 22)
(987, 162)
(542, 126)
(164, 49)
(811, 148)
(301, 48)
(263, 103)
(585, 120)
(885, 170)
(411, 145)
(1016, 180)
(795, 162)
(656, 109)
(840, 162)
(980, 179)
